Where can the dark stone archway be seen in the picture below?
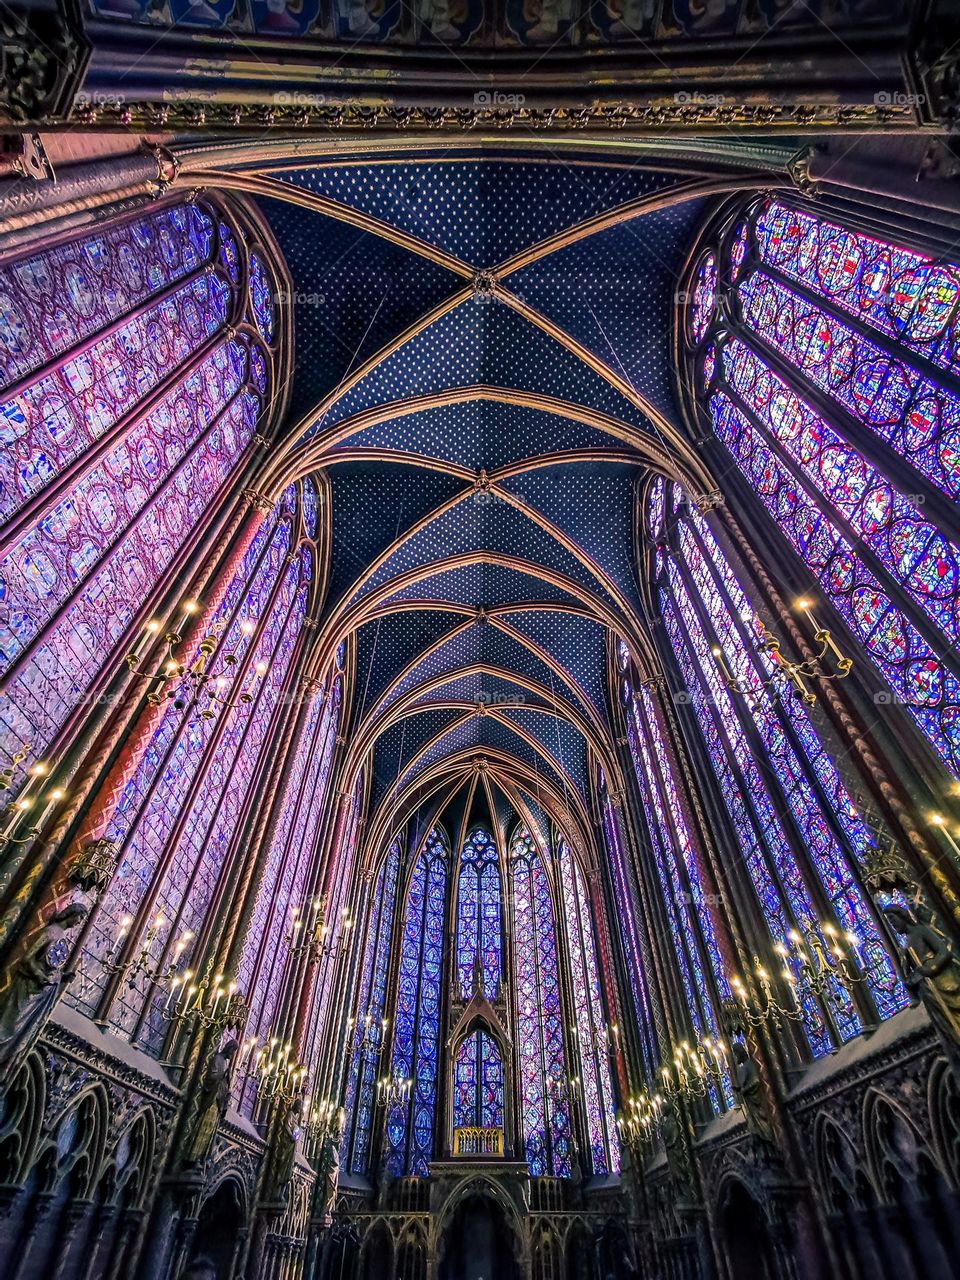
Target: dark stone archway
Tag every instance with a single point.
(220, 1228)
(478, 1242)
(745, 1239)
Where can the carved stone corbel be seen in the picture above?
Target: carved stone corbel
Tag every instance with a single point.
(43, 58)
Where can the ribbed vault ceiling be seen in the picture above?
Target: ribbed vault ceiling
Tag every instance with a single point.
(482, 373)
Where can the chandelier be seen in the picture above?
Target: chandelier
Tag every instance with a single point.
(196, 685)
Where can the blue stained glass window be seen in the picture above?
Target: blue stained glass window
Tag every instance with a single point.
(368, 1023)
(479, 927)
(478, 1083)
(836, 352)
(544, 1112)
(416, 1032)
(588, 1029)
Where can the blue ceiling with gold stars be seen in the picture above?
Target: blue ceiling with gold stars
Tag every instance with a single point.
(482, 372)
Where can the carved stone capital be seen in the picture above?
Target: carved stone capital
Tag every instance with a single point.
(258, 501)
(705, 502)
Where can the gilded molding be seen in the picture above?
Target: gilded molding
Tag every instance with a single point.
(618, 116)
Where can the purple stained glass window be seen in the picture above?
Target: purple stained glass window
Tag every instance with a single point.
(805, 773)
(311, 508)
(544, 1112)
(836, 337)
(897, 291)
(590, 1033)
(924, 685)
(806, 831)
(291, 859)
(478, 1083)
(54, 299)
(479, 927)
(655, 506)
(416, 1026)
(126, 412)
(698, 955)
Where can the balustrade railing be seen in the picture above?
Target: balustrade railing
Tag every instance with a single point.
(478, 1142)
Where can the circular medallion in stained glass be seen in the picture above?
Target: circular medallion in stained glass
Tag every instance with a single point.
(922, 300)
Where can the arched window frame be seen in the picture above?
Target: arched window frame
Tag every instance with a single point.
(864, 395)
(484, 1113)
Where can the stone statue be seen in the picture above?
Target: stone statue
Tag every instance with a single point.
(328, 1167)
(33, 985)
(283, 1153)
(675, 1148)
(931, 970)
(748, 1091)
(212, 1103)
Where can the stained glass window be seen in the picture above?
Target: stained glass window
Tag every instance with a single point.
(478, 1083)
(289, 863)
(830, 380)
(638, 961)
(800, 834)
(338, 871)
(479, 928)
(127, 404)
(179, 817)
(416, 1031)
(544, 1110)
(588, 1030)
(698, 956)
(368, 1024)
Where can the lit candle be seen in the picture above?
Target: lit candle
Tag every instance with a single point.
(939, 821)
(854, 942)
(722, 664)
(18, 810)
(806, 608)
(122, 932)
(149, 631)
(181, 946)
(189, 609)
(39, 770)
(170, 994)
(217, 993)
